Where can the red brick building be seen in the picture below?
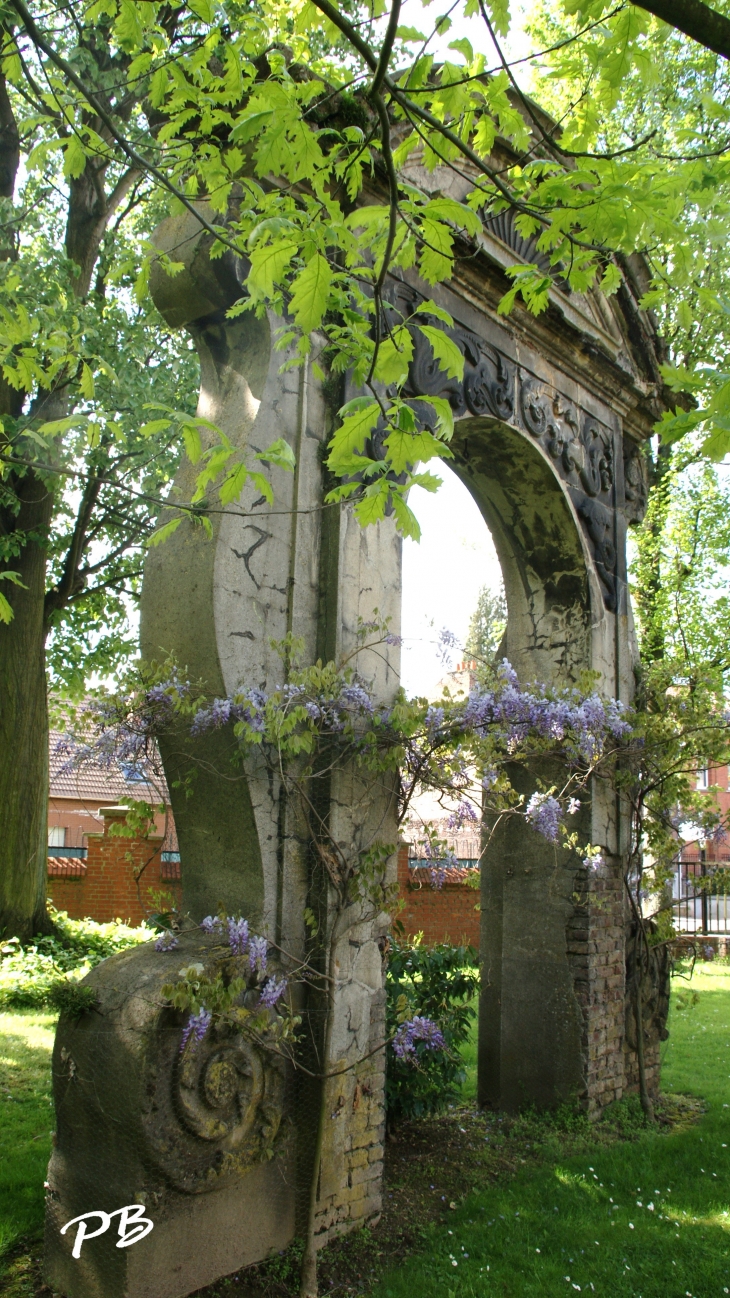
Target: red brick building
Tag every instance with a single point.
(446, 914)
(93, 872)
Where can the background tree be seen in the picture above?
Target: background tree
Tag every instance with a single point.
(80, 475)
(486, 627)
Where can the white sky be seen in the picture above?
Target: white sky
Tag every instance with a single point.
(516, 45)
(442, 577)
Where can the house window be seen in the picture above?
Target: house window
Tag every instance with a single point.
(56, 835)
(703, 779)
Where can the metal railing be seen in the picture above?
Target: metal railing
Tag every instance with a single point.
(698, 909)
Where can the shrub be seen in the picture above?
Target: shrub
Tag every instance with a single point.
(439, 983)
(39, 973)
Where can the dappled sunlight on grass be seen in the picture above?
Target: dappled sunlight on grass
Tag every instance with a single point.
(26, 1121)
(643, 1218)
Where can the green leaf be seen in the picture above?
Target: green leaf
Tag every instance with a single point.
(406, 450)
(444, 416)
(252, 124)
(351, 436)
(191, 438)
(233, 484)
(86, 382)
(279, 453)
(351, 407)
(611, 280)
(409, 34)
(673, 426)
(159, 83)
(463, 46)
(447, 209)
(432, 308)
(56, 427)
(269, 261)
(395, 354)
(500, 16)
(262, 484)
(436, 253)
(74, 158)
(164, 532)
(13, 577)
(310, 291)
(405, 518)
(717, 445)
(370, 508)
(203, 9)
(6, 612)
(447, 353)
(154, 426)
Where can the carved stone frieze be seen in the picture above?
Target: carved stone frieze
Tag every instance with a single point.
(580, 447)
(636, 481)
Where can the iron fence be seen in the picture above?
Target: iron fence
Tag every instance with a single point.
(698, 909)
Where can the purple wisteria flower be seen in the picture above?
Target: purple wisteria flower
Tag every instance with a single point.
(246, 706)
(395, 640)
(445, 643)
(166, 941)
(257, 954)
(238, 936)
(545, 814)
(197, 1026)
(437, 876)
(593, 863)
(211, 924)
(416, 1029)
(434, 719)
(273, 989)
(462, 815)
(354, 696)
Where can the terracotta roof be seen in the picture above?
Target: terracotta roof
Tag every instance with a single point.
(66, 867)
(420, 876)
(98, 784)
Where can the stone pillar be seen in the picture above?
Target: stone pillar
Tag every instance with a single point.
(300, 568)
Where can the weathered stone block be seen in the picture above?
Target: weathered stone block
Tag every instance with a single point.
(199, 1137)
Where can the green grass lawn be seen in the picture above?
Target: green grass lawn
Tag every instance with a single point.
(26, 1122)
(648, 1218)
(644, 1219)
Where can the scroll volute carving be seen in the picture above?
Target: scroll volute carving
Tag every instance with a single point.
(215, 1108)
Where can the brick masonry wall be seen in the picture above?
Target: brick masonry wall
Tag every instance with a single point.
(595, 946)
(446, 914)
(351, 1193)
(118, 878)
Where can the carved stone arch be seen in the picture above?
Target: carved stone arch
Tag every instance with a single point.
(550, 416)
(545, 564)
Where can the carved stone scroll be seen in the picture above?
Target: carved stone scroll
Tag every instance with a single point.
(197, 1135)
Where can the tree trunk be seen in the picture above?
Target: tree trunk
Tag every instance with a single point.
(23, 702)
(24, 727)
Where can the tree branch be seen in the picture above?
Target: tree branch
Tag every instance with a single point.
(696, 20)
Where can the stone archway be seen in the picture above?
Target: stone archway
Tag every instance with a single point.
(551, 414)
